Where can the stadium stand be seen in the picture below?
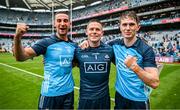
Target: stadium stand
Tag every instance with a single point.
(159, 24)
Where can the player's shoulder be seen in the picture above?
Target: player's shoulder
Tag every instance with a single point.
(78, 49)
(143, 47)
(73, 44)
(43, 41)
(117, 41)
(143, 44)
(105, 48)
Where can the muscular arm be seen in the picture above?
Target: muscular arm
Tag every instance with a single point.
(149, 75)
(20, 53)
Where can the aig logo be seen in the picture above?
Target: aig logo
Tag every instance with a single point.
(65, 60)
(95, 67)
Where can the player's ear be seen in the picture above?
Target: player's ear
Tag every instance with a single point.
(70, 24)
(86, 32)
(138, 27)
(54, 24)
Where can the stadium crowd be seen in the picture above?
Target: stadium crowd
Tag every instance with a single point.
(45, 18)
(6, 44)
(112, 4)
(165, 43)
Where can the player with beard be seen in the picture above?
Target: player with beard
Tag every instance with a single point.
(57, 91)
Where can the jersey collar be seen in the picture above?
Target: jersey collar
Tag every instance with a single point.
(60, 40)
(134, 45)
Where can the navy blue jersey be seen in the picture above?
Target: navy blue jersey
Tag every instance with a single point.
(94, 64)
(128, 84)
(58, 55)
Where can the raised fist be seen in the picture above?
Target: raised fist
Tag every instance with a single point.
(21, 29)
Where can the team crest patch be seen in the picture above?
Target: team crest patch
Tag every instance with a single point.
(107, 57)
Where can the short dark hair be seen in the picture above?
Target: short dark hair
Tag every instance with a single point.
(131, 14)
(62, 12)
(94, 20)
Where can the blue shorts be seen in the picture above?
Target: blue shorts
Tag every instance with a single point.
(57, 102)
(101, 103)
(123, 103)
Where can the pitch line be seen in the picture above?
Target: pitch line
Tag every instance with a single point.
(22, 70)
(34, 74)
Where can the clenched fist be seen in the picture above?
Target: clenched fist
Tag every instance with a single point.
(21, 29)
(130, 61)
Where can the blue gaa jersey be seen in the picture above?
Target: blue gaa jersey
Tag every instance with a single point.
(58, 55)
(128, 84)
(94, 64)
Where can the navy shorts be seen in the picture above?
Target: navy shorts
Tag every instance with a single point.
(123, 103)
(57, 102)
(101, 103)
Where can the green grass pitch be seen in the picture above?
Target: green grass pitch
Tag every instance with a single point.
(19, 89)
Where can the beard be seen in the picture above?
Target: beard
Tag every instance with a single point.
(62, 34)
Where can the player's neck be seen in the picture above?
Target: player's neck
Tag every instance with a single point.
(65, 38)
(94, 44)
(130, 41)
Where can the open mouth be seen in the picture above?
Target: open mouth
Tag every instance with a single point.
(94, 37)
(62, 28)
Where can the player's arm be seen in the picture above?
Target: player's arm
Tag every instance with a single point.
(20, 53)
(149, 75)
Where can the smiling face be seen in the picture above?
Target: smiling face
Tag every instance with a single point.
(62, 24)
(94, 32)
(129, 27)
